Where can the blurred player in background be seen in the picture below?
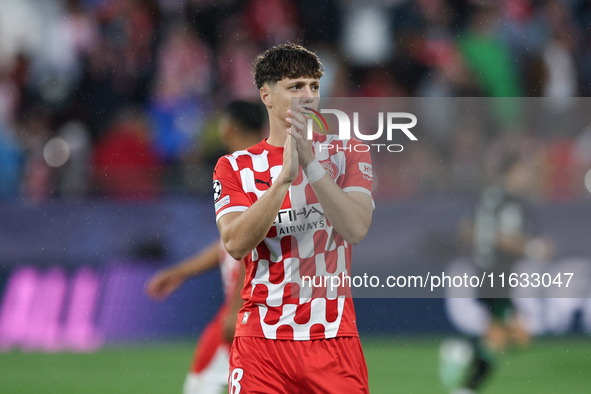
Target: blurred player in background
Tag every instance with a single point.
(502, 232)
(241, 125)
(285, 341)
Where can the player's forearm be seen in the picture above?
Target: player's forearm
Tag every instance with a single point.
(349, 217)
(195, 265)
(242, 232)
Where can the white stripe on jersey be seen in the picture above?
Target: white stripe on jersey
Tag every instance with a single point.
(260, 163)
(248, 180)
(230, 209)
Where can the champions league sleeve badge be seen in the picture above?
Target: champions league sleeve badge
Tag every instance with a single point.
(217, 190)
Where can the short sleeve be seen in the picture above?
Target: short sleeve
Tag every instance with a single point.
(228, 194)
(359, 170)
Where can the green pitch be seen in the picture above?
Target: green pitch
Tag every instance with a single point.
(406, 365)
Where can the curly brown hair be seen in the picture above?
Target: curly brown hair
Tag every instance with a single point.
(286, 61)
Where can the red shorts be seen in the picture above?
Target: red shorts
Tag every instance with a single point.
(259, 365)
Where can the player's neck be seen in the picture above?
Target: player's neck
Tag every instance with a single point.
(244, 143)
(277, 135)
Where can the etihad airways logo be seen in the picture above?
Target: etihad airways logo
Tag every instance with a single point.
(308, 218)
(293, 215)
(394, 122)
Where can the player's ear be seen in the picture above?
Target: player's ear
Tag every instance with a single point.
(265, 92)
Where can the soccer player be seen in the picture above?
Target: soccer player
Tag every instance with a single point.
(241, 126)
(283, 203)
(502, 233)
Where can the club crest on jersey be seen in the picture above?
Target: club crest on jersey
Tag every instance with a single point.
(330, 168)
(217, 190)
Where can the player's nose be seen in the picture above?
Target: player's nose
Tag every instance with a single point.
(307, 96)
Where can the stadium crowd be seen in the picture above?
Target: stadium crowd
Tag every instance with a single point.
(119, 98)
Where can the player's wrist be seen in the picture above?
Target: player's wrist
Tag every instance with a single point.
(283, 180)
(314, 171)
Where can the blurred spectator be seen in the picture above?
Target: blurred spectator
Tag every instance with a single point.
(558, 55)
(11, 160)
(487, 55)
(380, 82)
(181, 83)
(21, 28)
(236, 54)
(34, 132)
(321, 21)
(57, 66)
(9, 97)
(74, 175)
(120, 65)
(176, 61)
(124, 164)
(272, 22)
(366, 39)
(206, 16)
(183, 65)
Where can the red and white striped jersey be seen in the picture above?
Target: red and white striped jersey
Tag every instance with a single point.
(301, 242)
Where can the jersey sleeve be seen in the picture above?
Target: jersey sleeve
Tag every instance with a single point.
(228, 194)
(359, 170)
